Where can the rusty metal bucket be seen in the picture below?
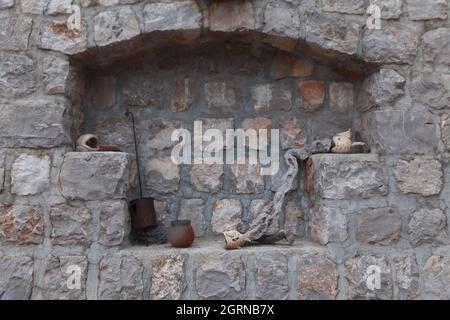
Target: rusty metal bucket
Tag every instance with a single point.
(143, 214)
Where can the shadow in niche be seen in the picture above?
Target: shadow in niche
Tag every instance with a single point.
(144, 74)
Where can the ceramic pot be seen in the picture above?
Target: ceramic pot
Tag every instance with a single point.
(143, 214)
(181, 234)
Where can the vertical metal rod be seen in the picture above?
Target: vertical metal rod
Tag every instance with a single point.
(128, 113)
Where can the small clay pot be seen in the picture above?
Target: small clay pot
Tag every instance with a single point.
(181, 234)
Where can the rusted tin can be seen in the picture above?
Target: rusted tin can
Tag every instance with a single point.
(143, 214)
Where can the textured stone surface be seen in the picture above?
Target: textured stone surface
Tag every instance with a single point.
(436, 277)
(445, 130)
(332, 34)
(380, 89)
(269, 97)
(312, 93)
(167, 278)
(431, 90)
(317, 277)
(4, 4)
(434, 9)
(70, 225)
(247, 178)
(33, 6)
(344, 6)
(103, 92)
(281, 19)
(56, 74)
(56, 36)
(257, 124)
(341, 97)
(192, 209)
(121, 278)
(56, 7)
(436, 44)
(401, 132)
(115, 25)
(379, 226)
(220, 276)
(172, 16)
(226, 214)
(43, 123)
(162, 175)
(393, 43)
(284, 66)
(419, 176)
(116, 131)
(183, 94)
(292, 132)
(95, 175)
(114, 220)
(328, 224)
(359, 275)
(16, 278)
(160, 132)
(349, 176)
(390, 9)
(226, 96)
(2, 171)
(276, 180)
(30, 174)
(221, 124)
(407, 278)
(207, 177)
(271, 273)
(15, 31)
(142, 90)
(428, 226)
(230, 16)
(293, 214)
(21, 224)
(17, 76)
(57, 273)
(256, 208)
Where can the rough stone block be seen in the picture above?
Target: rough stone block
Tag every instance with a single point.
(247, 178)
(317, 277)
(428, 226)
(16, 278)
(226, 214)
(220, 276)
(181, 15)
(57, 282)
(168, 278)
(271, 273)
(4, 4)
(270, 97)
(70, 225)
(17, 75)
(434, 9)
(30, 174)
(2, 171)
(431, 90)
(338, 176)
(56, 36)
(121, 278)
(436, 277)
(21, 224)
(344, 6)
(419, 176)
(225, 96)
(312, 93)
(258, 123)
(15, 32)
(390, 9)
(292, 132)
(379, 226)
(183, 94)
(401, 132)
(116, 25)
(160, 132)
(192, 209)
(445, 130)
(116, 131)
(341, 97)
(114, 222)
(293, 214)
(95, 175)
(360, 274)
(228, 16)
(33, 6)
(44, 123)
(407, 278)
(162, 175)
(142, 90)
(282, 19)
(380, 89)
(56, 74)
(333, 34)
(393, 43)
(56, 7)
(328, 224)
(207, 177)
(285, 65)
(435, 44)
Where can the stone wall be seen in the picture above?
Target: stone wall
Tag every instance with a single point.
(60, 208)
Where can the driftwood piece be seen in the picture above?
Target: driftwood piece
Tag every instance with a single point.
(258, 230)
